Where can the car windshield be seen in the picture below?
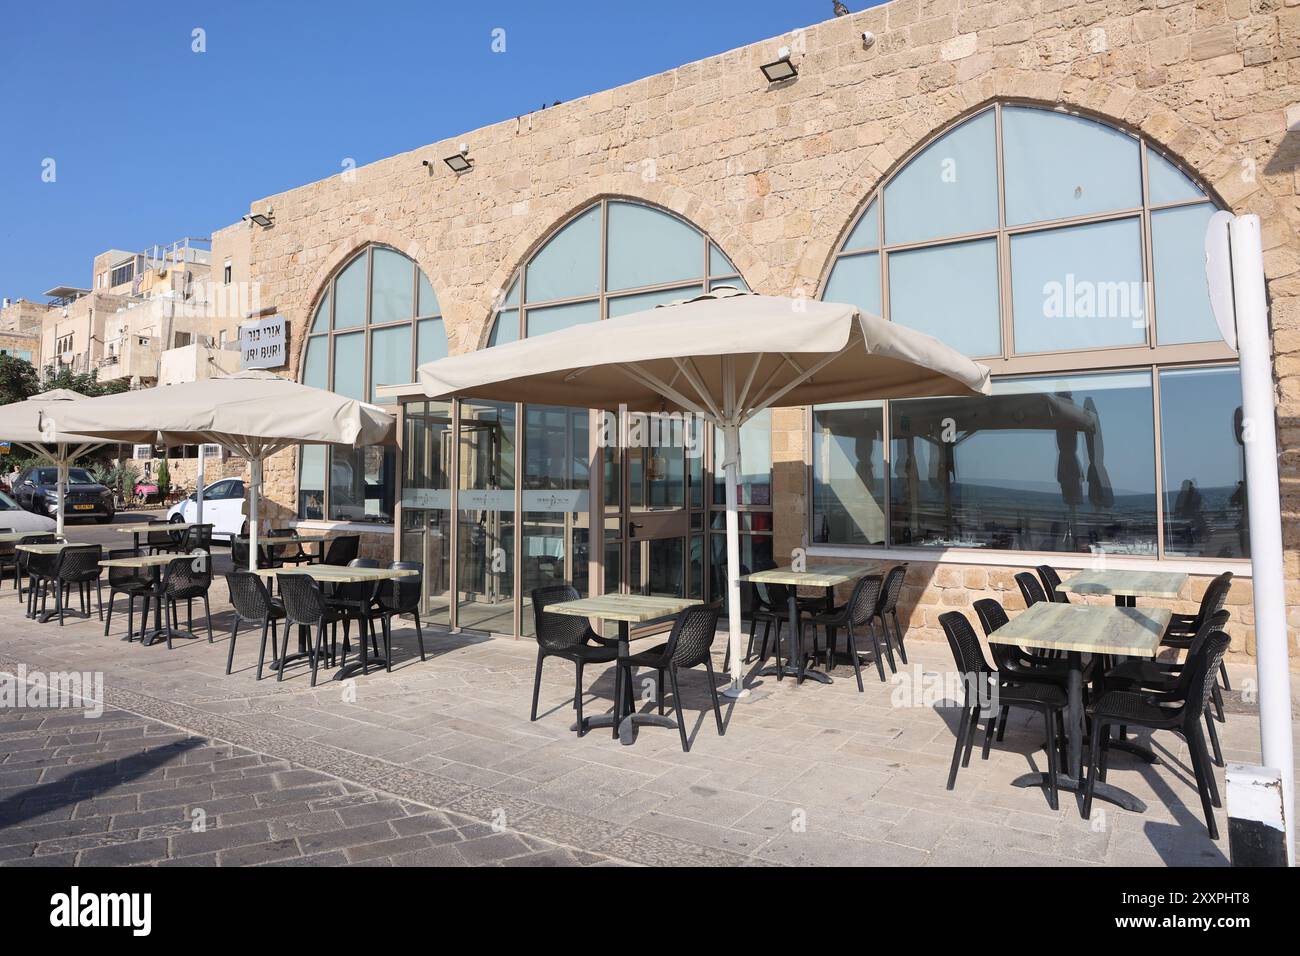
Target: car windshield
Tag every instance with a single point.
(48, 476)
(7, 503)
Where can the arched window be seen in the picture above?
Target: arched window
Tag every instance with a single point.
(374, 322)
(1047, 245)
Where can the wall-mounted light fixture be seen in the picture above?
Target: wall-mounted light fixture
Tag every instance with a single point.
(264, 219)
(781, 68)
(459, 162)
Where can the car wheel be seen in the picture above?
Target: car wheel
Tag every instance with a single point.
(177, 518)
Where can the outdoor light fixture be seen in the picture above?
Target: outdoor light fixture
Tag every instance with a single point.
(460, 161)
(263, 219)
(781, 68)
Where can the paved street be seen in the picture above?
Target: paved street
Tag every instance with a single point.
(437, 762)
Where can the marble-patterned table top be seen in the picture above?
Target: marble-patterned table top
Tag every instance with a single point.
(1154, 584)
(819, 576)
(633, 608)
(1082, 627)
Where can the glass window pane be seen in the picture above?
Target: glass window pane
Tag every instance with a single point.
(512, 297)
(485, 559)
(719, 265)
(556, 317)
(350, 365)
(1079, 287)
(1183, 311)
(1167, 183)
(849, 474)
(426, 500)
(866, 234)
(627, 304)
(321, 321)
(350, 295)
(428, 302)
(1204, 463)
(361, 484)
(1059, 165)
(961, 311)
(569, 264)
(856, 280)
(505, 328)
(315, 366)
(391, 287)
(311, 481)
(649, 247)
(950, 188)
(390, 359)
(431, 341)
(1052, 463)
(755, 480)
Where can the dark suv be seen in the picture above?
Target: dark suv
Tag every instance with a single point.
(37, 491)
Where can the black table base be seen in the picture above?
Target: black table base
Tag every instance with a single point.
(1101, 791)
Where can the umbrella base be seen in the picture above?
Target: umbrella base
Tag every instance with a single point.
(788, 670)
(627, 726)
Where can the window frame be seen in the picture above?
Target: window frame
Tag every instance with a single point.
(1149, 356)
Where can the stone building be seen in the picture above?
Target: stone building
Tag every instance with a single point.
(1027, 180)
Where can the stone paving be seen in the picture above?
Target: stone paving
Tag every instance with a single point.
(438, 763)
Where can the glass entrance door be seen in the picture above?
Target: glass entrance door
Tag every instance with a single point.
(662, 487)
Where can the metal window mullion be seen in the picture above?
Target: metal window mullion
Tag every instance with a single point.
(1002, 247)
(517, 561)
(1158, 436)
(1148, 253)
(453, 545)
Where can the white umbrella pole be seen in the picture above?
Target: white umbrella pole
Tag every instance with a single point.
(198, 494)
(62, 492)
(731, 466)
(255, 492)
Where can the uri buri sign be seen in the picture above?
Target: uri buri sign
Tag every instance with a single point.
(262, 343)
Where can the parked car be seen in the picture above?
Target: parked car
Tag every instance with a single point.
(223, 508)
(13, 517)
(38, 492)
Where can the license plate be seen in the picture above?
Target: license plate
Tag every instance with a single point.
(83, 507)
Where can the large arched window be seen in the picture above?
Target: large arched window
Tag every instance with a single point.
(374, 322)
(1050, 246)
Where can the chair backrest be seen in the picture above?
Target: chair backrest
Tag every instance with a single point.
(117, 576)
(162, 536)
(304, 601)
(864, 600)
(1050, 580)
(1215, 622)
(893, 589)
(991, 614)
(27, 560)
(773, 597)
(965, 646)
(80, 562)
(197, 537)
(248, 595)
(402, 595)
(1030, 588)
(359, 591)
(1203, 673)
(692, 635)
(1216, 595)
(238, 553)
(187, 573)
(342, 549)
(557, 632)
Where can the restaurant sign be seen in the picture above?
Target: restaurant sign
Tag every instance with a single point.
(262, 344)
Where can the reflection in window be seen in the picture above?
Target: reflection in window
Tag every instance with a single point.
(1204, 463)
(849, 473)
(1055, 463)
(426, 502)
(755, 480)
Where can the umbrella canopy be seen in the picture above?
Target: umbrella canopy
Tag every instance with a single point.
(22, 423)
(726, 356)
(254, 413)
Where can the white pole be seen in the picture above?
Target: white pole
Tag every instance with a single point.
(255, 492)
(1265, 512)
(62, 490)
(731, 465)
(198, 495)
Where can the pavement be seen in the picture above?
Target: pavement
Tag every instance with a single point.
(438, 763)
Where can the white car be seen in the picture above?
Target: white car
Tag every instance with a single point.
(20, 519)
(223, 508)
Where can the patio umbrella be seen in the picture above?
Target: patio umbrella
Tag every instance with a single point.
(724, 356)
(1100, 492)
(20, 424)
(254, 413)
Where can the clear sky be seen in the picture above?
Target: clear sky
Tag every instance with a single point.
(151, 141)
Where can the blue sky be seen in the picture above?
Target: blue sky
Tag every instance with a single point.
(152, 141)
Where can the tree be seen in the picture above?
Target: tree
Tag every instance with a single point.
(18, 380)
(164, 479)
(87, 383)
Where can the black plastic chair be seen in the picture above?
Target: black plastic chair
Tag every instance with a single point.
(396, 597)
(8, 559)
(184, 579)
(133, 582)
(78, 566)
(1030, 589)
(305, 607)
(42, 574)
(196, 538)
(887, 609)
(163, 541)
(1183, 627)
(689, 645)
(1017, 663)
(353, 602)
(568, 638)
(1050, 580)
(771, 608)
(254, 605)
(1179, 710)
(342, 550)
(985, 688)
(23, 558)
(857, 614)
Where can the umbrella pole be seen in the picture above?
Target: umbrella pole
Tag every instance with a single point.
(731, 466)
(62, 491)
(198, 492)
(255, 492)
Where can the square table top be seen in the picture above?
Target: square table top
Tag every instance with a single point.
(263, 541)
(12, 537)
(141, 561)
(140, 527)
(335, 574)
(632, 608)
(1155, 584)
(46, 548)
(821, 576)
(1087, 628)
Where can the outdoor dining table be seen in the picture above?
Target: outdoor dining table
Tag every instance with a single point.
(54, 548)
(335, 574)
(1126, 586)
(299, 539)
(1080, 629)
(12, 537)
(153, 563)
(626, 609)
(823, 576)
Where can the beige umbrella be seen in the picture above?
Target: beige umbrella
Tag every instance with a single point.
(725, 356)
(253, 413)
(20, 424)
